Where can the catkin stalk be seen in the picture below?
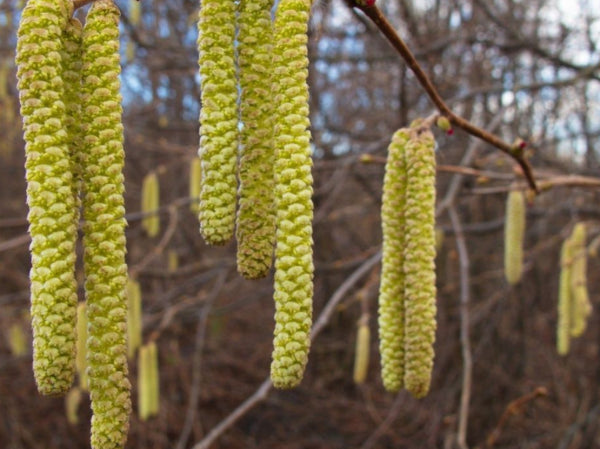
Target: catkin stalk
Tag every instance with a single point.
(255, 230)
(218, 120)
(514, 230)
(104, 229)
(293, 192)
(419, 263)
(50, 187)
(391, 290)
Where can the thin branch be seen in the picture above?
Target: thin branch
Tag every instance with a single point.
(263, 390)
(377, 17)
(386, 424)
(465, 342)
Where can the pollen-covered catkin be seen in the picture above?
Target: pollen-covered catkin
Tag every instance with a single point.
(50, 187)
(514, 229)
(150, 204)
(104, 228)
(218, 120)
(563, 327)
(419, 263)
(391, 288)
(580, 300)
(82, 335)
(293, 192)
(255, 231)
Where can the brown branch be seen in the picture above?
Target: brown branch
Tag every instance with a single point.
(80, 3)
(377, 17)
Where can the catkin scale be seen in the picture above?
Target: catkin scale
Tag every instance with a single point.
(294, 268)
(514, 230)
(255, 230)
(218, 120)
(419, 263)
(50, 187)
(104, 228)
(391, 289)
(150, 204)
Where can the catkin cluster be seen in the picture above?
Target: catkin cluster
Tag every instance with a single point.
(265, 145)
(407, 290)
(71, 108)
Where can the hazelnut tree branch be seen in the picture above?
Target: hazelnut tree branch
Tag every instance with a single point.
(369, 8)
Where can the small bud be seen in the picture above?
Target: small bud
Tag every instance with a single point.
(444, 124)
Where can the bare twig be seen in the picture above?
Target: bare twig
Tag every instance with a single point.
(377, 17)
(197, 361)
(263, 390)
(465, 342)
(386, 423)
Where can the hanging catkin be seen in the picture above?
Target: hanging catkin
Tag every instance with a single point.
(82, 335)
(293, 254)
(563, 327)
(218, 120)
(50, 187)
(514, 229)
(194, 187)
(362, 349)
(255, 230)
(104, 229)
(580, 301)
(150, 204)
(419, 262)
(391, 289)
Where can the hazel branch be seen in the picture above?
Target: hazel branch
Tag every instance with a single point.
(376, 16)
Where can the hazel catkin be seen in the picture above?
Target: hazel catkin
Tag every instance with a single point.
(293, 192)
(50, 187)
(104, 228)
(514, 229)
(218, 120)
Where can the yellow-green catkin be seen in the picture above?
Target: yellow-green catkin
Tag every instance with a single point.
(563, 327)
(82, 335)
(362, 350)
(72, 401)
(195, 184)
(49, 192)
(104, 229)
(135, 12)
(148, 381)
(134, 316)
(17, 340)
(514, 230)
(150, 204)
(218, 120)
(255, 231)
(391, 290)
(580, 301)
(293, 192)
(419, 263)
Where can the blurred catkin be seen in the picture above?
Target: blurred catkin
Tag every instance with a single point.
(50, 187)
(148, 381)
(563, 328)
(134, 316)
(104, 229)
(218, 120)
(150, 204)
(293, 192)
(514, 229)
(391, 289)
(419, 262)
(255, 231)
(195, 184)
(580, 300)
(361, 355)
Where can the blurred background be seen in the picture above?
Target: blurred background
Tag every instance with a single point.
(528, 69)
